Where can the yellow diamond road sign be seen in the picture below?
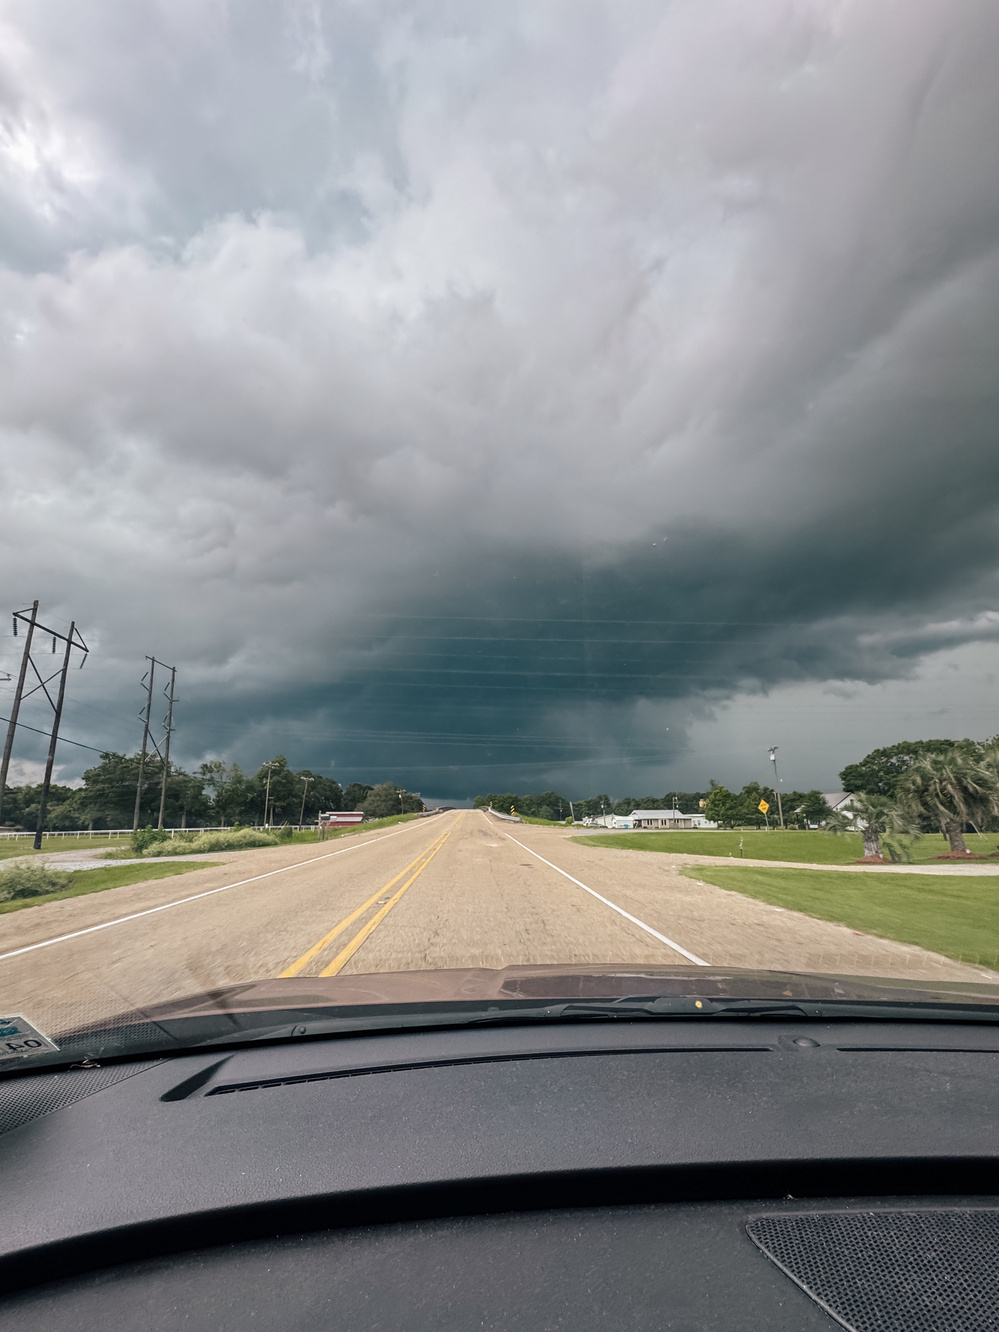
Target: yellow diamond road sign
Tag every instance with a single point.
(763, 806)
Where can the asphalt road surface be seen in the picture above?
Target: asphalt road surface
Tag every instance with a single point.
(457, 890)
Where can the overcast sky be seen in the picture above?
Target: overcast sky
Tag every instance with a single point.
(508, 395)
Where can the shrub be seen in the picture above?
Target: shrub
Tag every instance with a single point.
(231, 839)
(29, 879)
(144, 838)
(286, 832)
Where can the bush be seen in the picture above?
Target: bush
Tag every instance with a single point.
(286, 832)
(231, 839)
(144, 838)
(29, 879)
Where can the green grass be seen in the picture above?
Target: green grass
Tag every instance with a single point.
(362, 827)
(816, 848)
(98, 880)
(21, 846)
(950, 914)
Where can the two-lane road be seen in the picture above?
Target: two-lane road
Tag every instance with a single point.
(458, 890)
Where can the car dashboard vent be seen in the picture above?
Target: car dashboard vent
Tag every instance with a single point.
(892, 1271)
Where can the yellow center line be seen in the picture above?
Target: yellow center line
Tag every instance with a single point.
(344, 957)
(306, 958)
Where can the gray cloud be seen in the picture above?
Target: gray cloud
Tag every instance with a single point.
(544, 373)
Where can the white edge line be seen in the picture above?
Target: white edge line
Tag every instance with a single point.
(697, 961)
(358, 846)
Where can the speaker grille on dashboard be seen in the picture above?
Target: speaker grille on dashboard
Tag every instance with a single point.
(24, 1099)
(892, 1271)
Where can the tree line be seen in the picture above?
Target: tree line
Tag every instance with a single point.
(551, 805)
(217, 793)
(898, 792)
(905, 790)
(730, 809)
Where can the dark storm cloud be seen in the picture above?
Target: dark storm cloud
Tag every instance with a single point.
(473, 394)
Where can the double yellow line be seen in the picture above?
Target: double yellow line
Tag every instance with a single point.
(417, 865)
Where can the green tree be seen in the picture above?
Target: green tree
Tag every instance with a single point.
(321, 793)
(955, 788)
(593, 807)
(227, 789)
(355, 795)
(723, 807)
(498, 800)
(879, 818)
(387, 799)
(282, 792)
(882, 770)
(750, 796)
(21, 805)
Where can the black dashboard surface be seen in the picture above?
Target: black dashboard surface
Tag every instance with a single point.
(534, 1177)
(686, 1265)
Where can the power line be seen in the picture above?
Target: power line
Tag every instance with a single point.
(546, 619)
(62, 739)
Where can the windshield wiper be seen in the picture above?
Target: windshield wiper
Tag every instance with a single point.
(603, 1010)
(667, 1006)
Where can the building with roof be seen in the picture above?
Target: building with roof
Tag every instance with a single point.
(667, 818)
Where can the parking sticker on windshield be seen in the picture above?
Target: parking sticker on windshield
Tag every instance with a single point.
(20, 1038)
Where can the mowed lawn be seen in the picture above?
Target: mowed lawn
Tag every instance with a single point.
(97, 880)
(957, 915)
(816, 848)
(21, 846)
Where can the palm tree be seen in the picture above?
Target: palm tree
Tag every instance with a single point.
(954, 788)
(877, 817)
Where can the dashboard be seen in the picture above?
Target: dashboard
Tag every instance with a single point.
(722, 1174)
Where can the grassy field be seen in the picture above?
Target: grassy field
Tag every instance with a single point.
(21, 846)
(98, 880)
(362, 827)
(816, 848)
(956, 916)
(13, 847)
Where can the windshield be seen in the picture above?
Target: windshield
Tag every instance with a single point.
(498, 507)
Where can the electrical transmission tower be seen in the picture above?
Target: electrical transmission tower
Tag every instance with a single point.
(148, 739)
(74, 642)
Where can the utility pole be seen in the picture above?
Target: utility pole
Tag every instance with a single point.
(305, 792)
(16, 706)
(53, 738)
(72, 640)
(773, 760)
(147, 713)
(166, 744)
(267, 792)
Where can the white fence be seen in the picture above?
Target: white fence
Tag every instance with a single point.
(127, 832)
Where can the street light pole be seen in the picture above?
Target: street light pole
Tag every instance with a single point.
(773, 760)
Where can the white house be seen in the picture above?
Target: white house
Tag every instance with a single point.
(840, 802)
(660, 818)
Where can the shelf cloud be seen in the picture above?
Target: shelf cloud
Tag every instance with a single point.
(470, 394)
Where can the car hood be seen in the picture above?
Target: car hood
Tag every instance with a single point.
(278, 1009)
(557, 983)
